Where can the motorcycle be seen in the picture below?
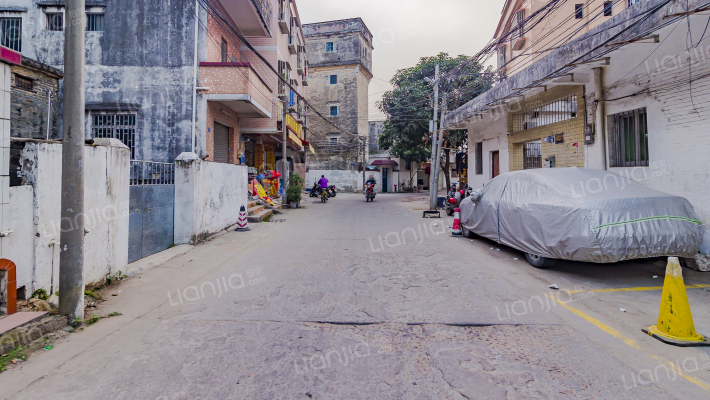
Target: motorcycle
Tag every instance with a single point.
(324, 196)
(370, 192)
(315, 191)
(454, 198)
(332, 191)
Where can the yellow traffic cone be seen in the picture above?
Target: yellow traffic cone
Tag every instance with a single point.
(675, 322)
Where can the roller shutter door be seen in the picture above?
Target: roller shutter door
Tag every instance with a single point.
(221, 143)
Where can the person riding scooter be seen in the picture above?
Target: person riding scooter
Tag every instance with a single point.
(323, 182)
(370, 192)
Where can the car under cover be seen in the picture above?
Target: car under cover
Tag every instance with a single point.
(582, 214)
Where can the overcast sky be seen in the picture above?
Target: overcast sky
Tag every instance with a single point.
(406, 30)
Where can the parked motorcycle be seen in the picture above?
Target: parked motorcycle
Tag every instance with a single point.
(332, 191)
(370, 192)
(454, 198)
(315, 192)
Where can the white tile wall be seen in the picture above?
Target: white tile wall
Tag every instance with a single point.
(4, 148)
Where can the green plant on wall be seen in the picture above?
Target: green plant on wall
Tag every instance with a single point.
(295, 188)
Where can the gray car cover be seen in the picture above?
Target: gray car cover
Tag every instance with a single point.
(582, 215)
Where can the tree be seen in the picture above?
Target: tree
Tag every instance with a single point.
(409, 105)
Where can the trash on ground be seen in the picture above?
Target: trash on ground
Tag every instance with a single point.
(655, 276)
(49, 347)
(515, 259)
(553, 286)
(497, 249)
(435, 224)
(622, 310)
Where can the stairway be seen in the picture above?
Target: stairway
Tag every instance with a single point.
(257, 213)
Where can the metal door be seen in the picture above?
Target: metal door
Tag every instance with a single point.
(385, 171)
(221, 143)
(533, 155)
(152, 209)
(495, 161)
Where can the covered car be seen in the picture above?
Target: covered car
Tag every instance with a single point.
(581, 214)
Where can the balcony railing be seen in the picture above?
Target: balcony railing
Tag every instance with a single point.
(292, 44)
(284, 17)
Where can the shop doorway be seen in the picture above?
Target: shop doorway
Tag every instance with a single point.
(495, 164)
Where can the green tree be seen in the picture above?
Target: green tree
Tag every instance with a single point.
(409, 105)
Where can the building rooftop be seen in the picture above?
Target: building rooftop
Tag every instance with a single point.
(336, 27)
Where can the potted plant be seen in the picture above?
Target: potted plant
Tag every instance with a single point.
(295, 188)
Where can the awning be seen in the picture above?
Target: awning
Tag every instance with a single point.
(385, 163)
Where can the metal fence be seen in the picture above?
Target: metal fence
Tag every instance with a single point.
(152, 173)
(533, 155)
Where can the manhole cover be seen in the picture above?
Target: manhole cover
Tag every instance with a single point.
(278, 221)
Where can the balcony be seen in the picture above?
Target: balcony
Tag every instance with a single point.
(304, 80)
(238, 87)
(285, 20)
(301, 62)
(251, 16)
(292, 44)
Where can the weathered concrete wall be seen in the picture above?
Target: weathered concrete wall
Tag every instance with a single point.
(106, 211)
(351, 39)
(347, 181)
(208, 197)
(142, 63)
(20, 245)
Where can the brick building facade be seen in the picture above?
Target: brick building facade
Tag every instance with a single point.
(35, 96)
(340, 61)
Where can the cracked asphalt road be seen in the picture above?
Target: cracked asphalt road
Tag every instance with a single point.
(344, 300)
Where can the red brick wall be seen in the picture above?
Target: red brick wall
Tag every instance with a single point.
(219, 113)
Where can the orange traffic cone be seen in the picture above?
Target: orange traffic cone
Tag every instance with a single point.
(456, 231)
(243, 223)
(675, 322)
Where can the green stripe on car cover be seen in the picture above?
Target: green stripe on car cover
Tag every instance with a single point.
(635, 221)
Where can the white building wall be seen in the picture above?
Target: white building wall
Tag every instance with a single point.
(36, 213)
(492, 130)
(343, 180)
(208, 197)
(4, 152)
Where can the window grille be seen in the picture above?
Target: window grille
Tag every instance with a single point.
(533, 155)
(628, 145)
(479, 158)
(24, 83)
(55, 21)
(119, 126)
(95, 22)
(555, 111)
(330, 47)
(11, 33)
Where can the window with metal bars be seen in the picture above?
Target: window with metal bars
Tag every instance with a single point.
(95, 22)
(11, 33)
(518, 26)
(224, 51)
(24, 83)
(479, 158)
(121, 126)
(501, 57)
(55, 21)
(533, 155)
(628, 142)
(549, 113)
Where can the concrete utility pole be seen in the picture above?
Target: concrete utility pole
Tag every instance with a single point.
(362, 146)
(434, 143)
(71, 262)
(440, 147)
(284, 149)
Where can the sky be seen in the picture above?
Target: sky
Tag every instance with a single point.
(406, 30)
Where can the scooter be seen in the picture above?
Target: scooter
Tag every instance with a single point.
(370, 192)
(453, 200)
(324, 196)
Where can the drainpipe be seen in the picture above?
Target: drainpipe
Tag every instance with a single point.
(49, 110)
(600, 117)
(194, 77)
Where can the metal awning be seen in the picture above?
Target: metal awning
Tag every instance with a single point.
(385, 163)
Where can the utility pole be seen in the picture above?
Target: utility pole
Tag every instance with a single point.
(362, 145)
(434, 143)
(284, 149)
(440, 147)
(71, 262)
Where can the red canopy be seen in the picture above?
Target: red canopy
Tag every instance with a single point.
(385, 163)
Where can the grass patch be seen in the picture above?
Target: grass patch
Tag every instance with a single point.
(268, 219)
(94, 294)
(15, 354)
(113, 314)
(40, 294)
(93, 319)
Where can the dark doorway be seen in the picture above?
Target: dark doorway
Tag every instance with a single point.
(384, 179)
(495, 164)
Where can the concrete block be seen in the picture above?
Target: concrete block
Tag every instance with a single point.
(4, 161)
(7, 77)
(5, 135)
(5, 189)
(6, 109)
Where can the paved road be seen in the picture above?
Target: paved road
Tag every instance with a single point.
(356, 300)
